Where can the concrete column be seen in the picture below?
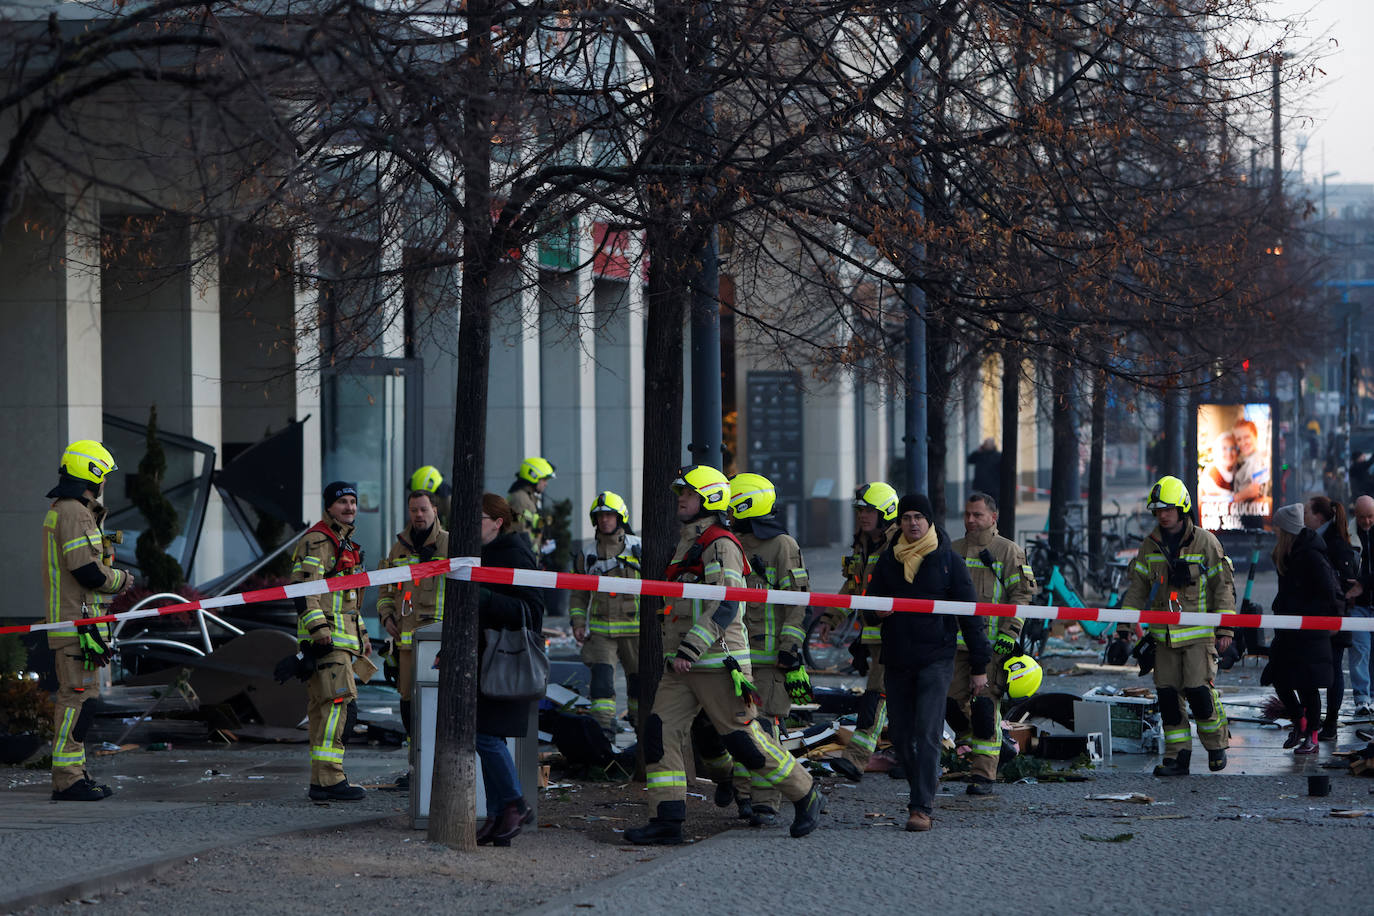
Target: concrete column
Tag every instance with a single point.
(82, 389)
(531, 439)
(847, 435)
(635, 334)
(207, 421)
(307, 334)
(586, 488)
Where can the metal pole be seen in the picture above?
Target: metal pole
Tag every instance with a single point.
(914, 302)
(705, 446)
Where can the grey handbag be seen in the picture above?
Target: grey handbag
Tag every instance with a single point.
(513, 664)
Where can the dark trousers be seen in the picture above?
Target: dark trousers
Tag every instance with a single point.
(916, 722)
(1306, 701)
(1336, 691)
(498, 773)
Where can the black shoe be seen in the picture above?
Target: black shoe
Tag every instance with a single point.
(746, 807)
(403, 782)
(725, 794)
(846, 768)
(1216, 759)
(1328, 732)
(655, 833)
(808, 811)
(977, 785)
(340, 791)
(763, 816)
(83, 790)
(1175, 766)
(897, 772)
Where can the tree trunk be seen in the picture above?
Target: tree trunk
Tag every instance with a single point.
(1064, 462)
(1011, 436)
(452, 816)
(1096, 472)
(937, 418)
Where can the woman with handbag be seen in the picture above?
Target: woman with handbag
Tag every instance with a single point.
(513, 616)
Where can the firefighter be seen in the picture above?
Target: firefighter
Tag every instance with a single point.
(1181, 567)
(875, 526)
(774, 630)
(78, 578)
(607, 626)
(429, 479)
(406, 605)
(526, 497)
(1000, 576)
(332, 635)
(707, 660)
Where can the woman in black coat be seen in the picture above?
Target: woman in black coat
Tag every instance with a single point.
(1327, 518)
(1300, 660)
(918, 649)
(503, 607)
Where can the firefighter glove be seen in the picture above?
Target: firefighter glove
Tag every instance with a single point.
(1005, 644)
(798, 685)
(94, 652)
(744, 688)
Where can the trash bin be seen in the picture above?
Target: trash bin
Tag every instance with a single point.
(425, 706)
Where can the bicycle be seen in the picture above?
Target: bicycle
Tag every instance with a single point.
(831, 653)
(1056, 590)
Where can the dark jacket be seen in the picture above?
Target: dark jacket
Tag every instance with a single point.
(916, 640)
(1366, 575)
(1342, 557)
(987, 471)
(1302, 658)
(507, 607)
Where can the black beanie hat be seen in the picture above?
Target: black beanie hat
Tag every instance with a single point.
(916, 502)
(338, 489)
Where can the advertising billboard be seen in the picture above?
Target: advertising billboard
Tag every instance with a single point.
(1235, 460)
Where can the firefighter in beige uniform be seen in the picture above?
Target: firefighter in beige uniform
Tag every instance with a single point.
(875, 514)
(1000, 576)
(332, 633)
(526, 497)
(606, 625)
(76, 576)
(774, 630)
(406, 605)
(707, 668)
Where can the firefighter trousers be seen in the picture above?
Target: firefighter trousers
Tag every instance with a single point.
(977, 720)
(1183, 681)
(76, 686)
(872, 715)
(600, 653)
(679, 698)
(328, 692)
(769, 682)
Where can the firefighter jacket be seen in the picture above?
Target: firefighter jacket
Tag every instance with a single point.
(327, 550)
(604, 614)
(77, 575)
(414, 604)
(1197, 580)
(524, 501)
(858, 569)
(775, 562)
(1000, 576)
(706, 631)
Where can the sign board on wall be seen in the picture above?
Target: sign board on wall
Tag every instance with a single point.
(1235, 460)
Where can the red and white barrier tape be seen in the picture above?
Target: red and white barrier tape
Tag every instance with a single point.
(468, 568)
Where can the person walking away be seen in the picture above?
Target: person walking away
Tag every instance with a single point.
(526, 498)
(331, 632)
(1361, 595)
(404, 606)
(1182, 567)
(78, 577)
(503, 607)
(607, 626)
(774, 630)
(918, 649)
(1000, 575)
(1327, 517)
(875, 527)
(707, 656)
(1300, 660)
(987, 467)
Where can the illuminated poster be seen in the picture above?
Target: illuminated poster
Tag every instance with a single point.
(1234, 465)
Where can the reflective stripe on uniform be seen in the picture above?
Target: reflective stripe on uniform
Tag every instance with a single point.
(666, 779)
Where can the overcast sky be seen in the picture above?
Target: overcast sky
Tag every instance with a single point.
(1340, 114)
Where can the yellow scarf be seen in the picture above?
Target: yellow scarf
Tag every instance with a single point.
(911, 553)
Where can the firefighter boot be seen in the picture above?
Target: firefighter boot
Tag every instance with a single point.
(1175, 766)
(979, 785)
(846, 768)
(808, 809)
(663, 830)
(762, 816)
(1216, 759)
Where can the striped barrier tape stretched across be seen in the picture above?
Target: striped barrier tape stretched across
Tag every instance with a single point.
(468, 568)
